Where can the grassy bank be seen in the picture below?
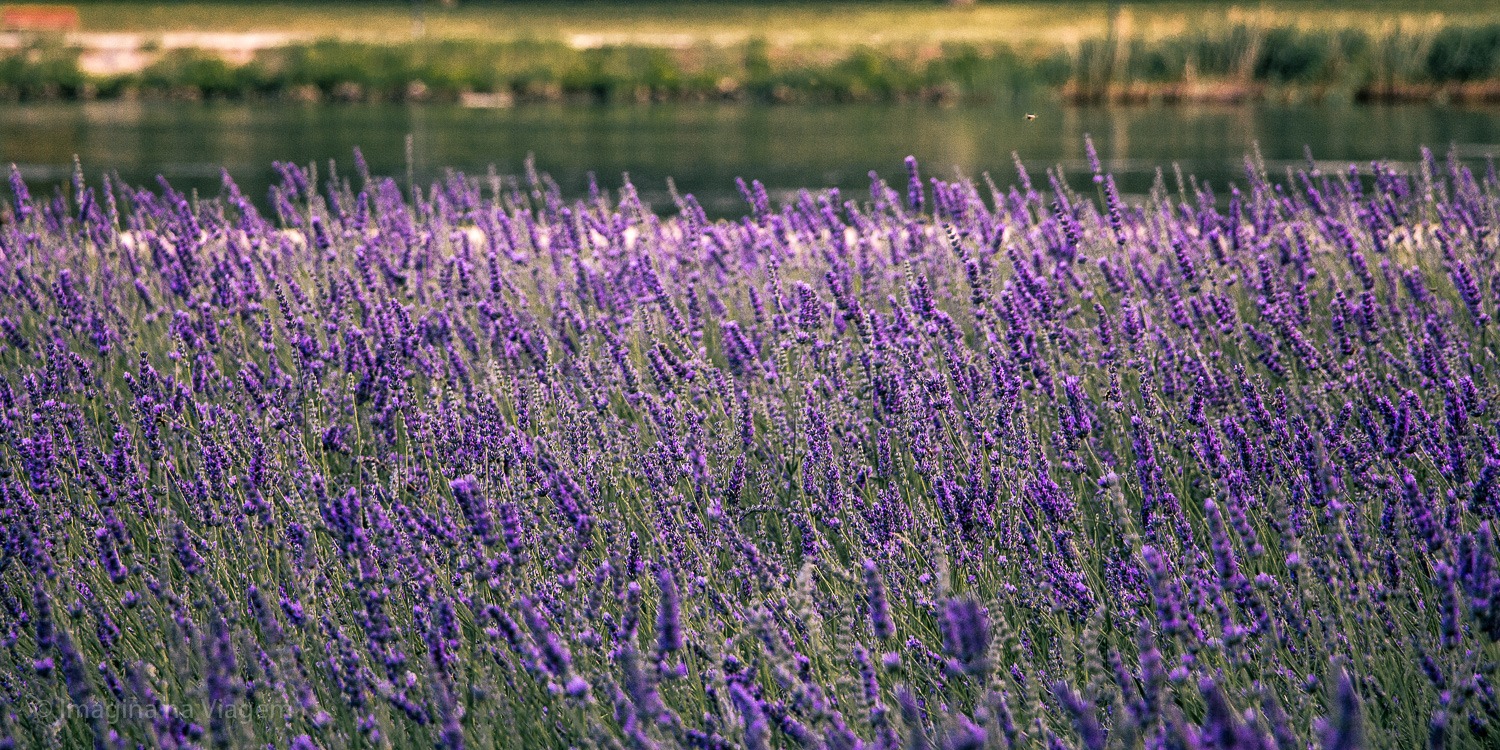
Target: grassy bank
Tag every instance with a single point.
(1237, 62)
(828, 23)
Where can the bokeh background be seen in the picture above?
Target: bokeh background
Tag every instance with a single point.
(797, 94)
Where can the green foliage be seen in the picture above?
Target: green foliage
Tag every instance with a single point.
(41, 70)
(1465, 54)
(1291, 56)
(202, 73)
(620, 73)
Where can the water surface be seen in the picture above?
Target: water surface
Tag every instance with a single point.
(703, 147)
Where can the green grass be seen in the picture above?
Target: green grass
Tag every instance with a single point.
(842, 24)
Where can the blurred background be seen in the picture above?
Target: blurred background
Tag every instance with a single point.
(796, 94)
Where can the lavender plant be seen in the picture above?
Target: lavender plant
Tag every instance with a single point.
(948, 466)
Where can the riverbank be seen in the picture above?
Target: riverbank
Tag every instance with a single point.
(1240, 62)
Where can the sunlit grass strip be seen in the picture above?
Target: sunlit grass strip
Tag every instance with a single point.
(840, 24)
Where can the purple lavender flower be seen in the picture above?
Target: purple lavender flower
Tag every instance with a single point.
(668, 615)
(1127, 446)
(966, 635)
(880, 608)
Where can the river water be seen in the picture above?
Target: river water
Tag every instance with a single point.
(703, 147)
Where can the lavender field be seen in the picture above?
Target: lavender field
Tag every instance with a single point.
(944, 466)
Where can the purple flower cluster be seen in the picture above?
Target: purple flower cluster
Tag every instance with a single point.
(470, 465)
